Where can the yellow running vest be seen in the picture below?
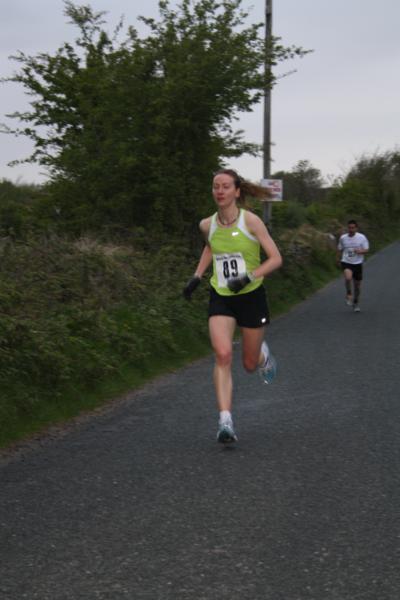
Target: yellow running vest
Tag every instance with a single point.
(235, 252)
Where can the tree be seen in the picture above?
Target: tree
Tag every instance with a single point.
(371, 190)
(131, 131)
(304, 184)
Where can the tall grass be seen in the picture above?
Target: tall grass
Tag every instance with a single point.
(79, 317)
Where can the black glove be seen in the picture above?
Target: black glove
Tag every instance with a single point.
(238, 283)
(191, 286)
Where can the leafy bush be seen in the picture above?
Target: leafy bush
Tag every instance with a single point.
(75, 314)
(288, 215)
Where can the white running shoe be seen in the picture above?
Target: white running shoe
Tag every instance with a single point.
(226, 433)
(269, 369)
(349, 301)
(356, 308)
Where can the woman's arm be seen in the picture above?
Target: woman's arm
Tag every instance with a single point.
(206, 256)
(203, 264)
(204, 261)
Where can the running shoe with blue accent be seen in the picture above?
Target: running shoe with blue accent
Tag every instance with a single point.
(269, 369)
(226, 433)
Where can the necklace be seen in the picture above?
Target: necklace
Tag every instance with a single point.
(226, 223)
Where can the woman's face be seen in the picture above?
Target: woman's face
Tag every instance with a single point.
(224, 191)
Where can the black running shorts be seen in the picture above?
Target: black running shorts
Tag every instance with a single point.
(249, 310)
(357, 270)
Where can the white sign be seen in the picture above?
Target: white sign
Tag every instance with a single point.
(275, 186)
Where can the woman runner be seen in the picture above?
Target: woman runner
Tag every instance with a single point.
(234, 237)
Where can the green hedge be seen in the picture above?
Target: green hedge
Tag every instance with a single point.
(77, 315)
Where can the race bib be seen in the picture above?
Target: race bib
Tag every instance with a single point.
(350, 253)
(228, 266)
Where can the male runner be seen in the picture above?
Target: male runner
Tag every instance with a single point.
(351, 249)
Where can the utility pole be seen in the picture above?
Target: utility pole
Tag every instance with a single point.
(267, 210)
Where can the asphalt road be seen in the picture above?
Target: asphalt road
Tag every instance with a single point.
(140, 502)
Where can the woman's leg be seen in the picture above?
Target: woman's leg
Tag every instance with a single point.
(221, 330)
(252, 339)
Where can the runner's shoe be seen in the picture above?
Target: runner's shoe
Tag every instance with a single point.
(356, 308)
(349, 301)
(226, 433)
(269, 369)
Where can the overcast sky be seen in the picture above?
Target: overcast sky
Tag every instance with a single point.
(342, 102)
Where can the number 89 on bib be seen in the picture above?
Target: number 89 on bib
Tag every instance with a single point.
(228, 266)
